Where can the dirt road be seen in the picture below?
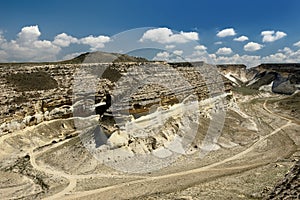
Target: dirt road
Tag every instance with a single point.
(165, 183)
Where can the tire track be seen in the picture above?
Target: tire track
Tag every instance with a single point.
(211, 167)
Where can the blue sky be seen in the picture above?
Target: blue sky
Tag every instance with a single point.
(28, 29)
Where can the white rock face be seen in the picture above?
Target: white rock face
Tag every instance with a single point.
(162, 152)
(249, 124)
(266, 88)
(118, 139)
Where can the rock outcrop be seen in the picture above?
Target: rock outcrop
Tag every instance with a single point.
(289, 187)
(235, 73)
(32, 93)
(277, 78)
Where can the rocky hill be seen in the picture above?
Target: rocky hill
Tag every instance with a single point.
(36, 92)
(277, 78)
(135, 117)
(103, 57)
(235, 73)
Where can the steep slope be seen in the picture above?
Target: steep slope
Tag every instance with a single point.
(235, 73)
(277, 78)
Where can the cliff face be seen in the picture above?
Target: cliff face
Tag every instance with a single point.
(32, 93)
(276, 78)
(35, 93)
(283, 68)
(235, 73)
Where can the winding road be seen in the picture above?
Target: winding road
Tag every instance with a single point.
(114, 190)
(149, 184)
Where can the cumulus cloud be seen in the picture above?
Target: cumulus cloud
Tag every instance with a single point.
(226, 32)
(200, 47)
(271, 36)
(162, 56)
(283, 55)
(28, 46)
(166, 36)
(285, 50)
(96, 43)
(241, 38)
(297, 44)
(274, 58)
(200, 54)
(29, 34)
(169, 57)
(178, 52)
(170, 46)
(224, 51)
(64, 40)
(252, 46)
(248, 60)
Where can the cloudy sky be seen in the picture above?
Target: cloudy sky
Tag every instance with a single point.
(248, 32)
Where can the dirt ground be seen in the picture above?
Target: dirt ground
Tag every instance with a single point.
(258, 146)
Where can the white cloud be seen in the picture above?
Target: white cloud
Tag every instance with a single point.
(271, 36)
(28, 34)
(96, 43)
(248, 60)
(200, 47)
(165, 56)
(166, 36)
(28, 47)
(218, 43)
(170, 46)
(297, 44)
(199, 55)
(162, 56)
(252, 46)
(241, 38)
(226, 32)
(178, 52)
(224, 51)
(251, 61)
(274, 58)
(283, 55)
(285, 50)
(64, 40)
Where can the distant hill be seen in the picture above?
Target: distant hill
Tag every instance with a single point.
(281, 78)
(278, 67)
(89, 57)
(103, 57)
(236, 73)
